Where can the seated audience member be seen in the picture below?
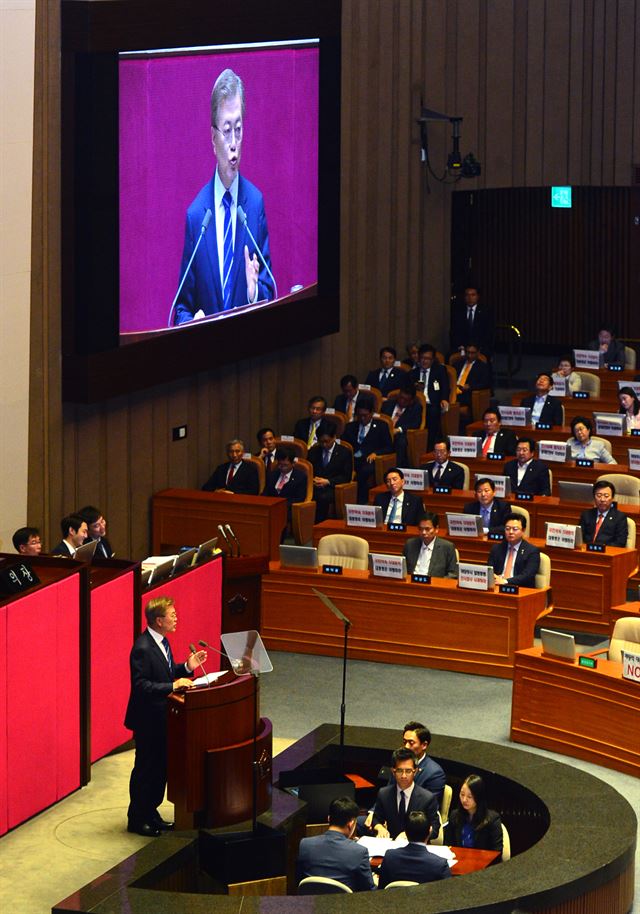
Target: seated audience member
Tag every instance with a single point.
(515, 561)
(566, 371)
(406, 412)
(332, 465)
(611, 350)
(432, 379)
(346, 401)
(472, 320)
(368, 437)
(527, 474)
(472, 824)
(396, 801)
(429, 774)
(97, 530)
(492, 511)
(413, 863)
(333, 854)
(474, 374)
(26, 541)
(310, 429)
(583, 446)
(287, 481)
(74, 532)
(236, 475)
(441, 470)
(544, 408)
(630, 408)
(387, 376)
(494, 439)
(427, 553)
(411, 360)
(267, 443)
(398, 506)
(604, 523)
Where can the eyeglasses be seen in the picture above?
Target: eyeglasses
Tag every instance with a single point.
(230, 131)
(404, 771)
(511, 529)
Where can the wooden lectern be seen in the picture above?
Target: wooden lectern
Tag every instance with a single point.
(210, 751)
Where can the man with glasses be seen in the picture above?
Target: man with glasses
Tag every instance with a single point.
(515, 561)
(227, 271)
(396, 801)
(26, 541)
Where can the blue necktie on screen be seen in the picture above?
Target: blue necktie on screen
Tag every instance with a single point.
(228, 251)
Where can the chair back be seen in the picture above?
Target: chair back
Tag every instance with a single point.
(299, 446)
(445, 802)
(400, 884)
(630, 358)
(631, 533)
(322, 885)
(590, 382)
(343, 549)
(262, 472)
(377, 397)
(304, 465)
(603, 441)
(625, 637)
(506, 844)
(518, 509)
(627, 487)
(453, 383)
(338, 420)
(467, 476)
(543, 577)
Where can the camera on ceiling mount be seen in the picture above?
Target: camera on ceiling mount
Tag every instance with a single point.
(457, 167)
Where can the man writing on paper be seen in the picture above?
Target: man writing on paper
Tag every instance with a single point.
(227, 271)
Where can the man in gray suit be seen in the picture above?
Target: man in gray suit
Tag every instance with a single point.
(334, 854)
(427, 553)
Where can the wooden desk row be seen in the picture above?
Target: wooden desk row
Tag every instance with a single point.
(435, 625)
(585, 585)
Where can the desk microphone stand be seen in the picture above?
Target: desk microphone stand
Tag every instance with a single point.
(347, 625)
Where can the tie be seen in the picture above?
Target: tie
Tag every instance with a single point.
(325, 458)
(486, 516)
(402, 810)
(470, 318)
(437, 474)
(362, 434)
(394, 507)
(464, 374)
(312, 434)
(280, 484)
(231, 473)
(349, 410)
(598, 525)
(167, 648)
(228, 251)
(508, 565)
(487, 444)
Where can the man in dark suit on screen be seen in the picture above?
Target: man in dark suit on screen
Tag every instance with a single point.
(154, 675)
(334, 855)
(226, 272)
(413, 863)
(604, 523)
(515, 561)
(237, 475)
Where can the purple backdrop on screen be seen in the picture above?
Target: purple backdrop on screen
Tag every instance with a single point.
(166, 157)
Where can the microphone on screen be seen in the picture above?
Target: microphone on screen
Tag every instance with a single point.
(203, 228)
(242, 216)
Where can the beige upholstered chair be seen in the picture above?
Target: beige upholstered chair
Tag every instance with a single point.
(517, 508)
(299, 446)
(627, 487)
(506, 844)
(262, 473)
(625, 637)
(322, 885)
(590, 383)
(631, 533)
(445, 803)
(605, 441)
(303, 513)
(343, 549)
(400, 884)
(543, 577)
(630, 358)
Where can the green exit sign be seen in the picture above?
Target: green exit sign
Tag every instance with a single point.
(561, 197)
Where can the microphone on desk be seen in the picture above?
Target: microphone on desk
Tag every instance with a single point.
(227, 527)
(203, 228)
(192, 648)
(221, 531)
(235, 664)
(242, 216)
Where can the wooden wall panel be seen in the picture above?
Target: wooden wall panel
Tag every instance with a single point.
(548, 91)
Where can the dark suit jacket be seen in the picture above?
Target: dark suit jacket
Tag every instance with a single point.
(443, 559)
(551, 411)
(487, 838)
(338, 470)
(412, 507)
(103, 549)
(505, 442)
(61, 549)
(340, 403)
(386, 809)
(413, 863)
(438, 375)
(411, 417)
(301, 429)
(335, 856)
(535, 480)
(499, 511)
(151, 683)
(428, 775)
(453, 475)
(245, 481)
(482, 331)
(295, 490)
(390, 383)
(478, 378)
(613, 531)
(526, 565)
(202, 289)
(613, 356)
(378, 440)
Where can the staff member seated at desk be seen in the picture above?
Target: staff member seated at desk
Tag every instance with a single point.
(566, 372)
(288, 482)
(396, 801)
(413, 863)
(74, 531)
(515, 561)
(427, 553)
(604, 523)
(26, 541)
(473, 824)
(495, 439)
(492, 511)
(429, 774)
(334, 855)
(544, 408)
(526, 474)
(398, 506)
(583, 447)
(442, 471)
(237, 475)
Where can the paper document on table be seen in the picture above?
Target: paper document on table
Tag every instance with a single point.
(442, 851)
(378, 847)
(208, 679)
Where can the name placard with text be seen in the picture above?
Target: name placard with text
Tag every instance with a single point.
(475, 577)
(586, 358)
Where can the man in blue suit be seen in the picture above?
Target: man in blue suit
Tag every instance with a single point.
(413, 863)
(226, 272)
(515, 561)
(333, 854)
